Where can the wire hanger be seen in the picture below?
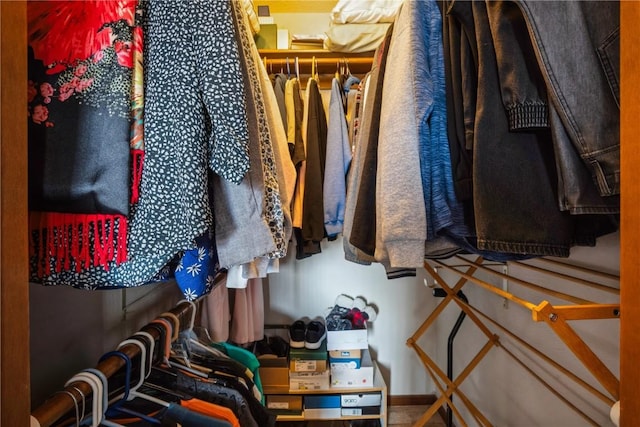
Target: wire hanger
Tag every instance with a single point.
(97, 399)
(99, 387)
(194, 308)
(75, 403)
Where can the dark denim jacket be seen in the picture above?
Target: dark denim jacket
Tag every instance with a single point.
(515, 179)
(577, 44)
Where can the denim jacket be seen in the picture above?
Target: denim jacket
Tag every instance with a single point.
(577, 44)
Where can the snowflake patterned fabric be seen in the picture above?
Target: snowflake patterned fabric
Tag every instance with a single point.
(197, 269)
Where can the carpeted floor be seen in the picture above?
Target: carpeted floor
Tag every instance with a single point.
(405, 416)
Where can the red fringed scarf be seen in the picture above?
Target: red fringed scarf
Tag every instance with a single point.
(76, 242)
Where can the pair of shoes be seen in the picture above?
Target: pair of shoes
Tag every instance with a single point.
(307, 335)
(270, 347)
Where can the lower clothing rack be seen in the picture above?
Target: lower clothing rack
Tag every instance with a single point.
(61, 403)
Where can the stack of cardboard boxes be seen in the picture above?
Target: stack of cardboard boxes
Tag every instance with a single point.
(308, 369)
(343, 361)
(349, 359)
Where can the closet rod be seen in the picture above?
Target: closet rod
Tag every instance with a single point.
(327, 62)
(60, 403)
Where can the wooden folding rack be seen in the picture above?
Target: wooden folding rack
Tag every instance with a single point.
(556, 316)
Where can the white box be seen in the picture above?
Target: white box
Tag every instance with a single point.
(347, 340)
(319, 413)
(358, 412)
(360, 399)
(283, 38)
(309, 380)
(354, 378)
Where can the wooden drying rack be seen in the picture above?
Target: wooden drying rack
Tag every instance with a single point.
(555, 316)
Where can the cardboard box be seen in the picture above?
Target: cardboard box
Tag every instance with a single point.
(322, 401)
(356, 412)
(308, 365)
(360, 399)
(309, 380)
(267, 38)
(347, 340)
(322, 406)
(306, 354)
(289, 402)
(274, 374)
(352, 378)
(322, 413)
(346, 354)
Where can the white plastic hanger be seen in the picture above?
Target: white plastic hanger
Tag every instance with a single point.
(104, 392)
(133, 391)
(97, 399)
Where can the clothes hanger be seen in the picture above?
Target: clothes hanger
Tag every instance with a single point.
(75, 404)
(133, 392)
(99, 387)
(97, 399)
(202, 372)
(175, 324)
(84, 403)
(297, 65)
(104, 395)
(150, 344)
(166, 334)
(117, 404)
(127, 362)
(162, 332)
(194, 309)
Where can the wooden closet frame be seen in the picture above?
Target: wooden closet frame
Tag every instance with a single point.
(14, 291)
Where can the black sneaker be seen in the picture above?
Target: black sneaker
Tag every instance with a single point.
(316, 333)
(297, 332)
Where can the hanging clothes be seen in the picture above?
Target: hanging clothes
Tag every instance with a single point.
(200, 87)
(363, 232)
(422, 118)
(354, 177)
(313, 206)
(79, 175)
(337, 162)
